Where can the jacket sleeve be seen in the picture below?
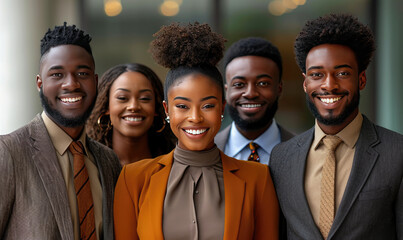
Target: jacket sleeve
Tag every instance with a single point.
(7, 189)
(267, 211)
(125, 210)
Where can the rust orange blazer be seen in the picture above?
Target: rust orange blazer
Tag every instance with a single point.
(251, 207)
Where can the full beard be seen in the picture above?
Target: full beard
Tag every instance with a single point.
(59, 118)
(257, 124)
(334, 120)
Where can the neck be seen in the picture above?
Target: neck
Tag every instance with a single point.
(130, 149)
(253, 134)
(334, 129)
(73, 132)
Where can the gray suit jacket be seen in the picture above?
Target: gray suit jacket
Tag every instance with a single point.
(222, 137)
(372, 204)
(33, 200)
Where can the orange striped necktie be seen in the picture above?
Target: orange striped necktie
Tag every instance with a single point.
(83, 192)
(253, 152)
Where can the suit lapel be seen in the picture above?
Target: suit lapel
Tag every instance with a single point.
(364, 160)
(46, 162)
(222, 137)
(297, 169)
(108, 185)
(157, 190)
(234, 197)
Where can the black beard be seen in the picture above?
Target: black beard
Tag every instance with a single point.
(331, 121)
(59, 118)
(253, 125)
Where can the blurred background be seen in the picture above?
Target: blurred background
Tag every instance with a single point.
(122, 31)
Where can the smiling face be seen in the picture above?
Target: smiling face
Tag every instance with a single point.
(332, 84)
(67, 85)
(195, 106)
(253, 88)
(131, 105)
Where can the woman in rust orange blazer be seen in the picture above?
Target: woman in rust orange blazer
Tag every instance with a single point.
(196, 191)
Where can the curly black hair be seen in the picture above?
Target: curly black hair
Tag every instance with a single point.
(189, 49)
(159, 142)
(254, 46)
(65, 35)
(342, 29)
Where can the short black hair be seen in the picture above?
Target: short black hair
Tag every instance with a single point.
(254, 46)
(190, 49)
(342, 29)
(65, 35)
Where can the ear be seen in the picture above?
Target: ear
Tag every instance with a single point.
(304, 83)
(38, 82)
(280, 88)
(165, 107)
(96, 80)
(362, 80)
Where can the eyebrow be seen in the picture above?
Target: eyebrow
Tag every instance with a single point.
(58, 67)
(258, 77)
(127, 90)
(336, 67)
(188, 100)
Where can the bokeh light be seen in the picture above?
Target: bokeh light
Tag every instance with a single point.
(112, 7)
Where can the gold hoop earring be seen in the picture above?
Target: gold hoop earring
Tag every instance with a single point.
(162, 128)
(104, 124)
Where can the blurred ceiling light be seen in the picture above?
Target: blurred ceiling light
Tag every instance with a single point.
(169, 8)
(290, 4)
(277, 8)
(112, 7)
(299, 2)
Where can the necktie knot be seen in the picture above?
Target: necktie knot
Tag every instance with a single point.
(253, 152)
(76, 147)
(331, 142)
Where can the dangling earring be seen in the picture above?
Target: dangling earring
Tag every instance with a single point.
(167, 119)
(222, 118)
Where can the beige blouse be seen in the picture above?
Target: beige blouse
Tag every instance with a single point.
(194, 202)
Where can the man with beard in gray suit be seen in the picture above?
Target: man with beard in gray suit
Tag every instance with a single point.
(55, 182)
(342, 179)
(253, 70)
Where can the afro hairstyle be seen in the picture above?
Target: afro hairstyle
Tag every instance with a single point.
(65, 35)
(254, 46)
(189, 49)
(342, 29)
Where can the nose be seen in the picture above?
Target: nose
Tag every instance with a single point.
(70, 82)
(133, 105)
(330, 83)
(250, 92)
(195, 116)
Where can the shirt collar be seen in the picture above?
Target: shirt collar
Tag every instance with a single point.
(270, 137)
(349, 134)
(60, 139)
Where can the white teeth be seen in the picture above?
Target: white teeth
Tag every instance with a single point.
(133, 119)
(71, 100)
(330, 100)
(250, 105)
(195, 132)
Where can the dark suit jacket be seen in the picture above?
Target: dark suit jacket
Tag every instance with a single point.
(222, 137)
(33, 200)
(372, 204)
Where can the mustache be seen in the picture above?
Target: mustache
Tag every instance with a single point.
(315, 94)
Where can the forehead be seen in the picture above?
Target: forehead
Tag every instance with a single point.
(66, 55)
(251, 65)
(132, 81)
(195, 85)
(330, 55)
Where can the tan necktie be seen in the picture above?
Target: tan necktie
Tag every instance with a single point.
(327, 205)
(253, 152)
(83, 192)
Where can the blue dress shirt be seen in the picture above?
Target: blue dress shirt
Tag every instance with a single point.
(237, 145)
